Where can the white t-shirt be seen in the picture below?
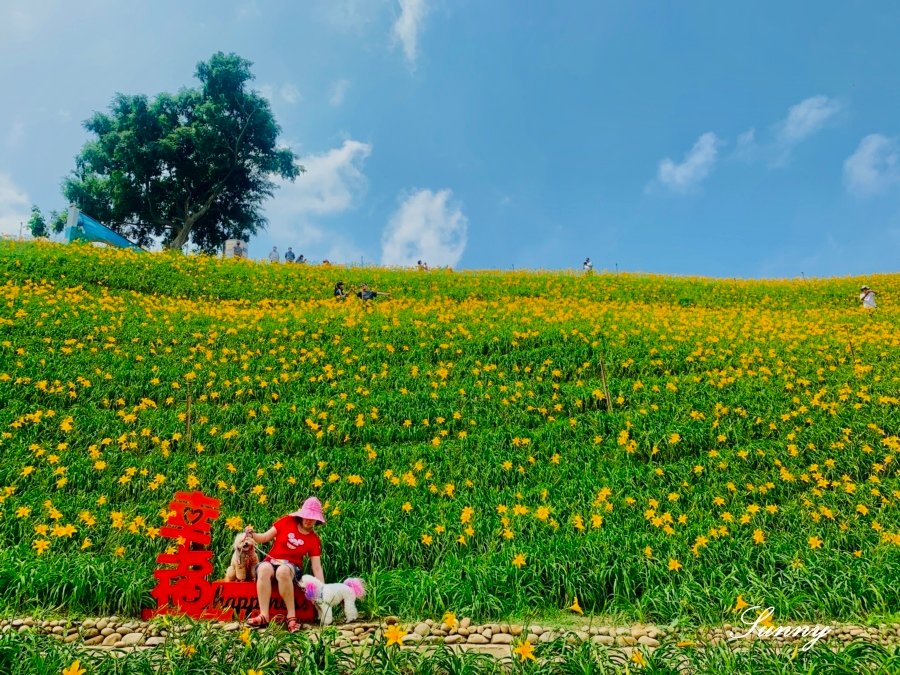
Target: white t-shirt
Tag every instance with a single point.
(868, 299)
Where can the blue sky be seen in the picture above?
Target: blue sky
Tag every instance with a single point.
(720, 139)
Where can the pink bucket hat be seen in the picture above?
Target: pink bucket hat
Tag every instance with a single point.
(311, 509)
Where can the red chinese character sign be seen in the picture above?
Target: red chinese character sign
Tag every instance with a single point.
(190, 521)
(183, 585)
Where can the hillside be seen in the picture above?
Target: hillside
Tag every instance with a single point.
(458, 431)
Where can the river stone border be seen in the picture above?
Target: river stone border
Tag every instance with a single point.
(114, 632)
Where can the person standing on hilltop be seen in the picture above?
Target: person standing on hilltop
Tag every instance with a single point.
(867, 298)
(289, 255)
(273, 255)
(587, 265)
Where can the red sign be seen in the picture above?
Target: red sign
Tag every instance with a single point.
(241, 597)
(185, 588)
(190, 521)
(183, 585)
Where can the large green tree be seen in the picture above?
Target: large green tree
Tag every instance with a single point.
(36, 223)
(194, 166)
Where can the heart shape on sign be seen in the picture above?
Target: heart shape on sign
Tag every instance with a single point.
(191, 593)
(191, 516)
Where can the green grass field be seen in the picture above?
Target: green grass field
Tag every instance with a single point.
(459, 433)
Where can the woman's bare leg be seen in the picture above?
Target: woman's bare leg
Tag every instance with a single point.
(285, 577)
(264, 588)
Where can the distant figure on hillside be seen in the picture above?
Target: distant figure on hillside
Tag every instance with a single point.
(289, 255)
(365, 293)
(238, 250)
(301, 259)
(339, 291)
(273, 255)
(867, 297)
(587, 265)
(422, 265)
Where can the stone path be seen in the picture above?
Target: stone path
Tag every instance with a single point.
(495, 638)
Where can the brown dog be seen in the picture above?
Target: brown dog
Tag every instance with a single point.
(244, 559)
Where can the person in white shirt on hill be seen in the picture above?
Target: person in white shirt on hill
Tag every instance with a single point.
(867, 297)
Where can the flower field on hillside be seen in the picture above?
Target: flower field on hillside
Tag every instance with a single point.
(460, 434)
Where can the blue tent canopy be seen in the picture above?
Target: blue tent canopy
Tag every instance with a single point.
(84, 228)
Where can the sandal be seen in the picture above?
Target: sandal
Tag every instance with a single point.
(293, 625)
(258, 621)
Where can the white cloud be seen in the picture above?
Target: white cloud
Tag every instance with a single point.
(349, 16)
(267, 91)
(333, 183)
(317, 243)
(408, 25)
(247, 9)
(874, 167)
(16, 133)
(21, 20)
(287, 92)
(746, 147)
(806, 118)
(338, 93)
(425, 227)
(290, 93)
(803, 120)
(14, 206)
(697, 164)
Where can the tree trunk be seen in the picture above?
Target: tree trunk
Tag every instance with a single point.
(181, 238)
(190, 218)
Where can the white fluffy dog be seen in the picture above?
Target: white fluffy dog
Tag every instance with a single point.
(327, 596)
(243, 559)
